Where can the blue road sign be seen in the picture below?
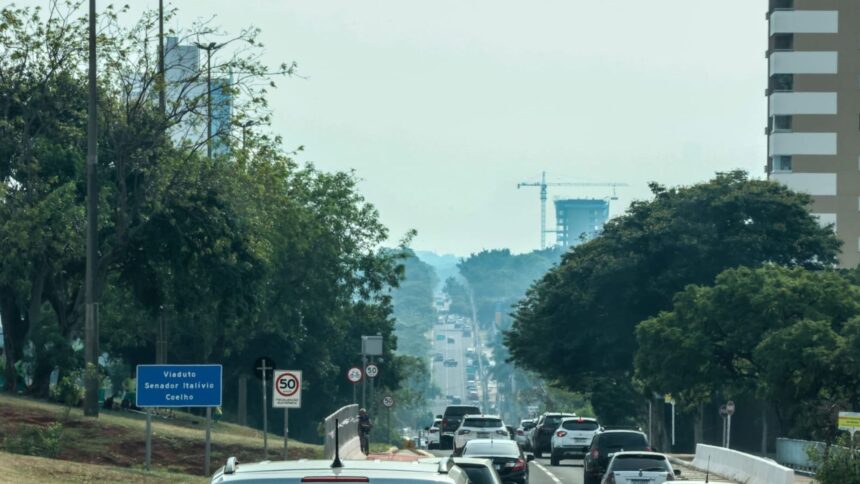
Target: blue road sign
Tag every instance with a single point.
(179, 385)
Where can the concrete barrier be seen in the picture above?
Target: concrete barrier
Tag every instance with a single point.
(741, 467)
(347, 422)
(794, 453)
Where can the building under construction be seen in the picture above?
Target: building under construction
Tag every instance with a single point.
(579, 220)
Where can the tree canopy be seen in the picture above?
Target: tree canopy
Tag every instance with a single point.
(577, 324)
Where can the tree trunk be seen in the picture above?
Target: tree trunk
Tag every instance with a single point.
(41, 376)
(698, 425)
(14, 331)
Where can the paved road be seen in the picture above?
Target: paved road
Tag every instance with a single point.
(450, 380)
(540, 472)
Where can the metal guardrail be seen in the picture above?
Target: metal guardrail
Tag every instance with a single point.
(794, 453)
(347, 418)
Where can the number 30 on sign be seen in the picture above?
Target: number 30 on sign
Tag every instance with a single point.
(287, 389)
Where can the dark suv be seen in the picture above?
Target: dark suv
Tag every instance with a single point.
(542, 433)
(604, 445)
(451, 421)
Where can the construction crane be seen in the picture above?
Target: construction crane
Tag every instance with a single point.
(543, 186)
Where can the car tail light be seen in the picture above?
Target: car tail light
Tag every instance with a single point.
(560, 433)
(647, 448)
(444, 423)
(464, 432)
(610, 478)
(594, 454)
(670, 476)
(335, 479)
(519, 465)
(520, 432)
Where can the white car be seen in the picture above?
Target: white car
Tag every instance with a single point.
(479, 427)
(639, 468)
(572, 438)
(522, 437)
(434, 434)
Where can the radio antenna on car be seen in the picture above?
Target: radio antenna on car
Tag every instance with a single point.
(708, 470)
(337, 463)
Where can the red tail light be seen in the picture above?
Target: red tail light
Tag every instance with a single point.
(670, 476)
(648, 449)
(520, 432)
(594, 454)
(519, 465)
(610, 478)
(444, 423)
(560, 433)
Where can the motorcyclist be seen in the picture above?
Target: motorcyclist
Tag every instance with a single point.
(364, 426)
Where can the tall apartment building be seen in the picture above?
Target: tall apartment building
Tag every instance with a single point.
(579, 220)
(814, 109)
(185, 78)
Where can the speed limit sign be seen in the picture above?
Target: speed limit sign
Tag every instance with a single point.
(288, 389)
(371, 371)
(354, 374)
(388, 401)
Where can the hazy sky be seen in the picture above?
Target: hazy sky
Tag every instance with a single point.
(442, 106)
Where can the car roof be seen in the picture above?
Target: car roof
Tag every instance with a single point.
(559, 414)
(481, 415)
(633, 453)
(617, 431)
(492, 443)
(459, 460)
(322, 468)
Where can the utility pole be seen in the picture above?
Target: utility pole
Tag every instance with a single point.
(91, 321)
(209, 48)
(162, 99)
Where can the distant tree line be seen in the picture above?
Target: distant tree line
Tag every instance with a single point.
(242, 255)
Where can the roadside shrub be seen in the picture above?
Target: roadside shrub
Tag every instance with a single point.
(837, 464)
(37, 441)
(68, 392)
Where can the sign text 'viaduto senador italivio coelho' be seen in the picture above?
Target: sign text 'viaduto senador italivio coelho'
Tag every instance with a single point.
(179, 385)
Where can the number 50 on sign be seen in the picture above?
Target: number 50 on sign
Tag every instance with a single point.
(288, 389)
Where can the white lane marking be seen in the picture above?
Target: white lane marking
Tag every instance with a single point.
(550, 474)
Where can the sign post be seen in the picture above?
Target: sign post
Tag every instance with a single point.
(287, 394)
(671, 401)
(354, 376)
(179, 386)
(388, 402)
(730, 410)
(723, 414)
(262, 367)
(849, 421)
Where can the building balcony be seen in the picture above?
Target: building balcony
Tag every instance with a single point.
(804, 22)
(788, 144)
(816, 184)
(790, 103)
(793, 62)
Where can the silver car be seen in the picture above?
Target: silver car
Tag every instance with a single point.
(639, 468)
(321, 471)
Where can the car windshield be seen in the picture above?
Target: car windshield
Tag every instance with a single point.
(496, 448)
(478, 474)
(656, 463)
(631, 441)
(553, 421)
(482, 423)
(576, 425)
(460, 411)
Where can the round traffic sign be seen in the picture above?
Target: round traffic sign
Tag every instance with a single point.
(371, 371)
(354, 374)
(287, 384)
(730, 407)
(723, 410)
(388, 401)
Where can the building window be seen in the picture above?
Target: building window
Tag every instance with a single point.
(781, 4)
(781, 163)
(782, 123)
(782, 82)
(783, 42)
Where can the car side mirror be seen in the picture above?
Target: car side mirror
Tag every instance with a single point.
(530, 457)
(677, 472)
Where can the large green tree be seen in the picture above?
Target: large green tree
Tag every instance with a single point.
(577, 324)
(777, 334)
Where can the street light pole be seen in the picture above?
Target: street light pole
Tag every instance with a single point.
(91, 322)
(211, 46)
(162, 99)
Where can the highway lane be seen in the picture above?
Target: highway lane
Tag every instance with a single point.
(541, 472)
(450, 380)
